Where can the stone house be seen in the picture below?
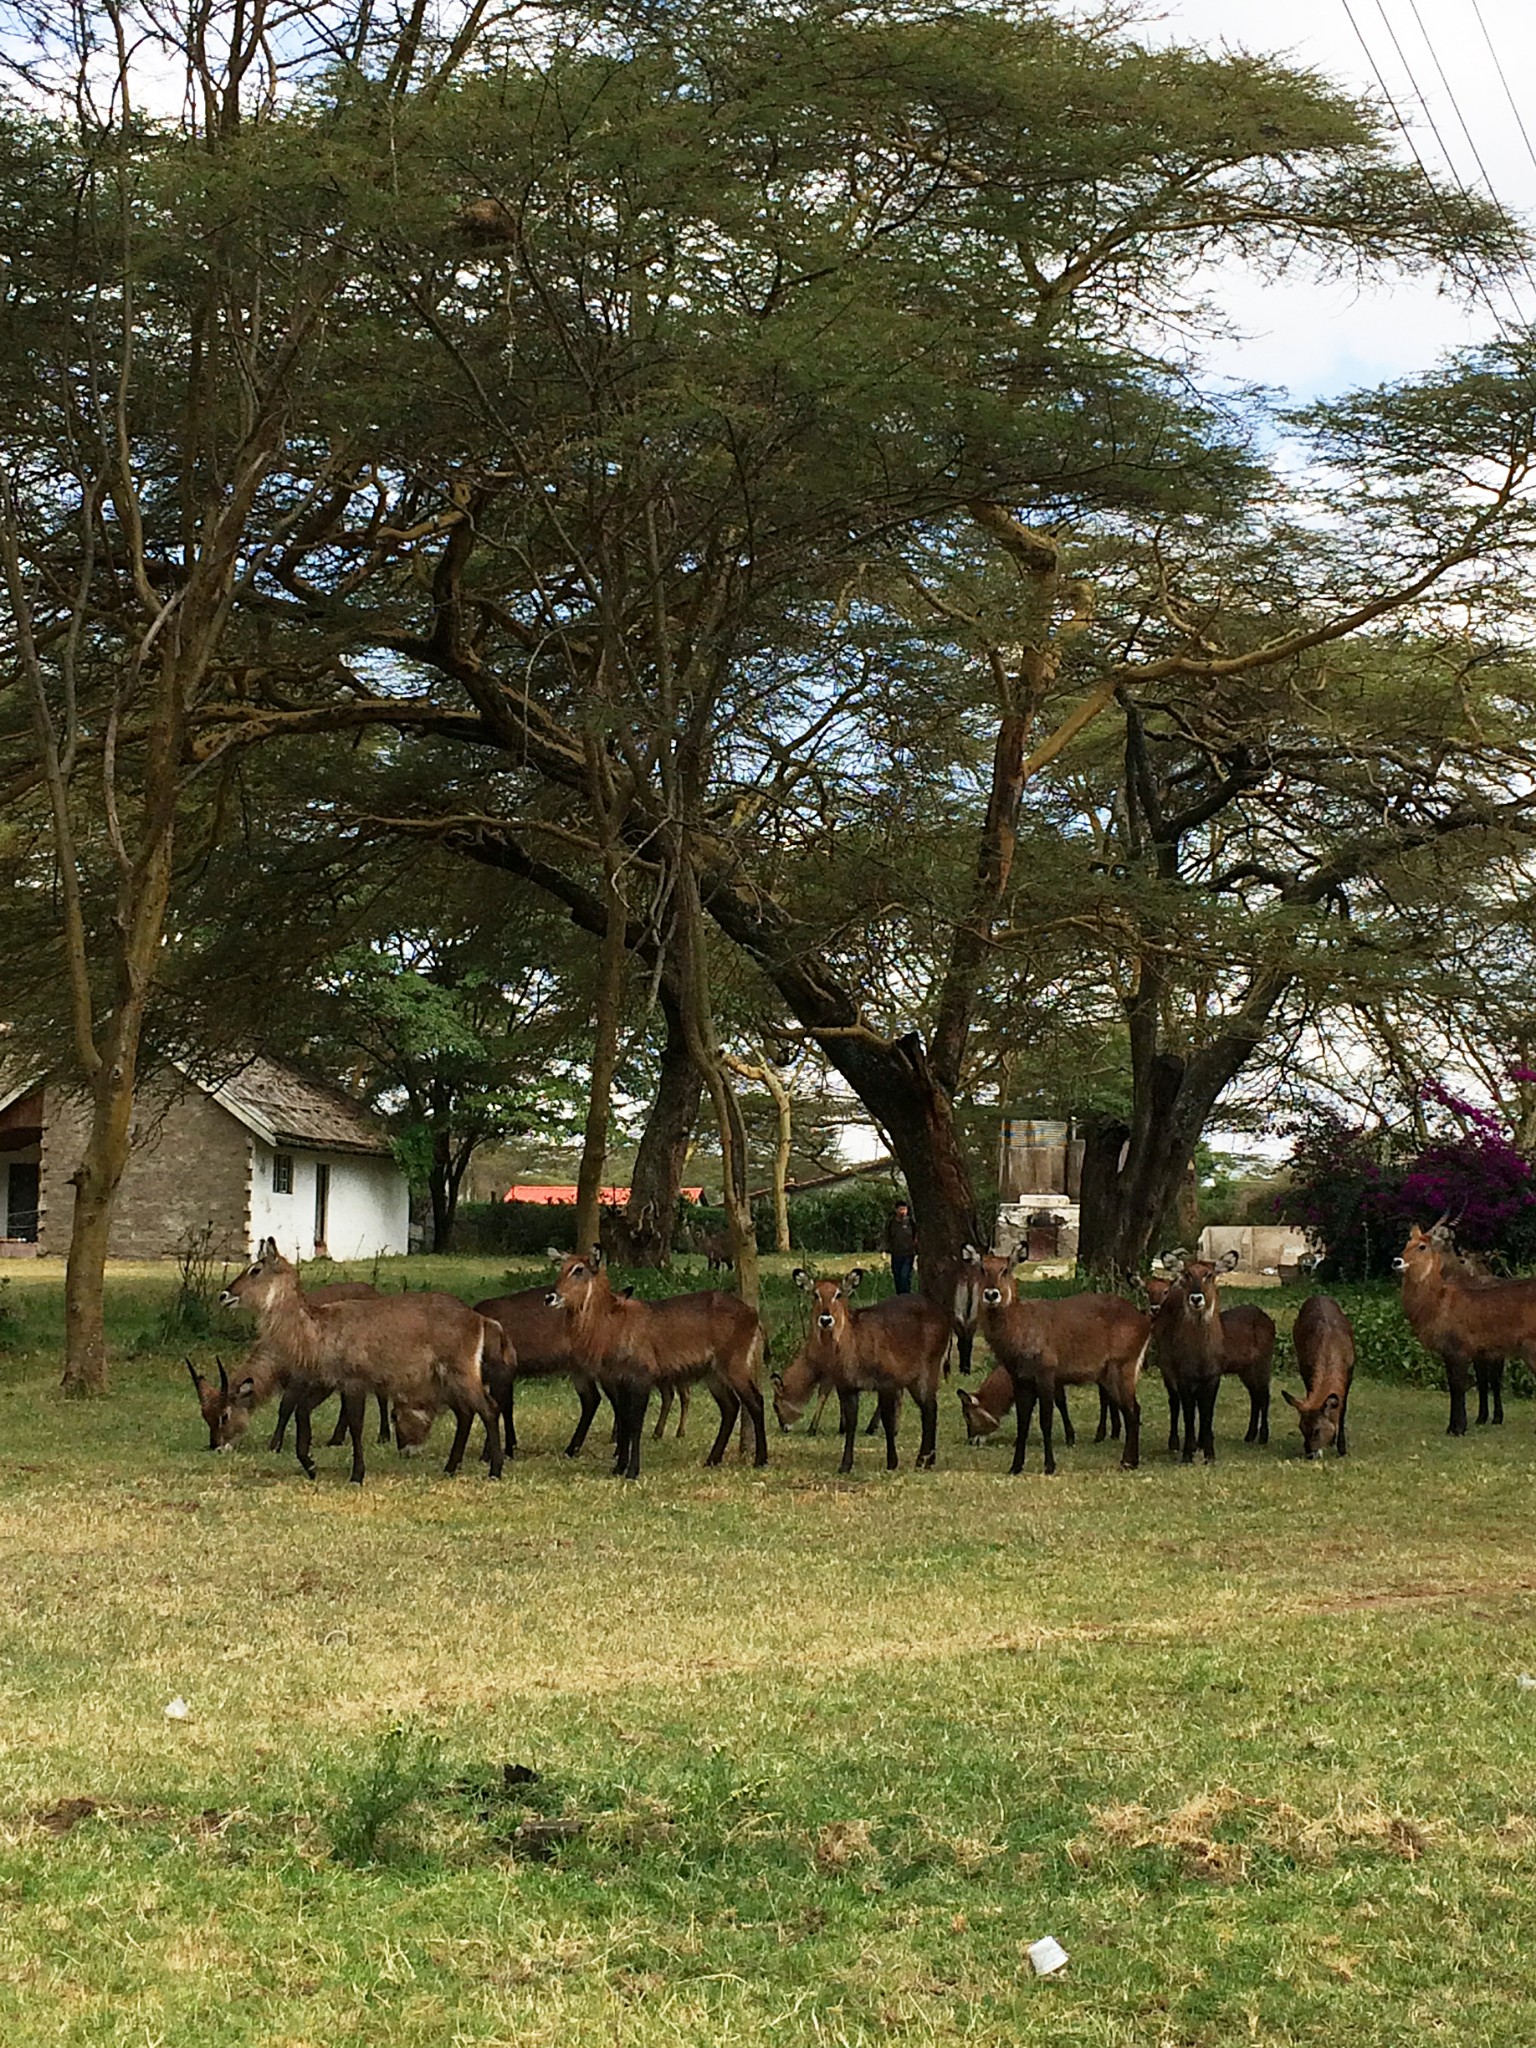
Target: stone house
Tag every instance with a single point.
(266, 1152)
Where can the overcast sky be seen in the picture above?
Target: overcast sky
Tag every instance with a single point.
(1314, 340)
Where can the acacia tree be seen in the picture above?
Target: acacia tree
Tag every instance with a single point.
(166, 309)
(720, 339)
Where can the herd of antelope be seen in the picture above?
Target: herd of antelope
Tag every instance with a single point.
(416, 1354)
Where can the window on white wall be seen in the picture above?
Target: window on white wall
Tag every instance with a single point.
(282, 1173)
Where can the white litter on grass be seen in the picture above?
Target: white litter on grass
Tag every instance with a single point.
(178, 1710)
(1047, 1956)
(1525, 1682)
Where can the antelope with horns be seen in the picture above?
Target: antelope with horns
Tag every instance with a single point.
(1471, 1324)
(423, 1350)
(1078, 1340)
(632, 1348)
(892, 1347)
(1325, 1352)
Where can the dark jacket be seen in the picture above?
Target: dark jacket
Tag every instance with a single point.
(901, 1237)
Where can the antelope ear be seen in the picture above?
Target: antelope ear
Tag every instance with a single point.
(1285, 1395)
(1331, 1402)
(246, 1389)
(969, 1256)
(597, 1256)
(627, 1293)
(551, 1253)
(777, 1380)
(1229, 1262)
(802, 1279)
(853, 1280)
(269, 1251)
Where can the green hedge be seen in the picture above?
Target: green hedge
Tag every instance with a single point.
(517, 1230)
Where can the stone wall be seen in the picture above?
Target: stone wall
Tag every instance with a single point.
(189, 1167)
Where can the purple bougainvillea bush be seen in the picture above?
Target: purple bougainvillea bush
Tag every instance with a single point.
(1358, 1192)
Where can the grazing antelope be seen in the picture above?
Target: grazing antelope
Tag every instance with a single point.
(633, 1347)
(1471, 1324)
(336, 1290)
(985, 1409)
(424, 1350)
(1077, 1340)
(1325, 1352)
(892, 1347)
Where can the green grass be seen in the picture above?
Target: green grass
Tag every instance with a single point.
(817, 1758)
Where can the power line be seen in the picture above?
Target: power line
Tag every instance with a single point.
(1525, 133)
(1499, 319)
(1477, 155)
(1440, 143)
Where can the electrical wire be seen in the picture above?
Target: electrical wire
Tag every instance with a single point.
(1477, 155)
(1525, 133)
(1500, 320)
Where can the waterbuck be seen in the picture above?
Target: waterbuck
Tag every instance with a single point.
(892, 1347)
(1247, 1337)
(632, 1348)
(423, 1350)
(1076, 1340)
(1325, 1352)
(1471, 1324)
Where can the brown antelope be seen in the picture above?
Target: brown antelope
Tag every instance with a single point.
(1471, 1324)
(540, 1338)
(892, 1347)
(1077, 1340)
(1247, 1355)
(1189, 1344)
(985, 1409)
(336, 1290)
(424, 1350)
(1325, 1352)
(633, 1347)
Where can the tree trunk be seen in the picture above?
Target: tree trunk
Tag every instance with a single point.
(95, 1181)
(783, 1144)
(656, 1184)
(605, 1060)
(439, 1179)
(895, 1084)
(781, 1156)
(698, 1017)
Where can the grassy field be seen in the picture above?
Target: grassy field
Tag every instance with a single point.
(817, 1759)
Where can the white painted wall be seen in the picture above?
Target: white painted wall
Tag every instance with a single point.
(369, 1209)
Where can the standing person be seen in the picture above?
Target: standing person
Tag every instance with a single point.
(901, 1243)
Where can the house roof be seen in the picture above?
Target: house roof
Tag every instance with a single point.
(283, 1107)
